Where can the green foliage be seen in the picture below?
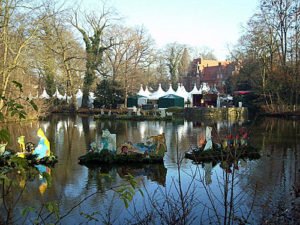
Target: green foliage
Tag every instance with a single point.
(4, 136)
(50, 84)
(91, 216)
(126, 193)
(18, 85)
(32, 103)
(53, 207)
(27, 210)
(108, 94)
(48, 178)
(14, 107)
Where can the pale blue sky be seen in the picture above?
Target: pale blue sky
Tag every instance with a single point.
(212, 23)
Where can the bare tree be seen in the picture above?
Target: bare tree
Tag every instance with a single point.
(185, 62)
(19, 23)
(94, 45)
(205, 53)
(67, 52)
(173, 53)
(270, 53)
(129, 57)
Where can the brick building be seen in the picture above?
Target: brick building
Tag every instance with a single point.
(212, 72)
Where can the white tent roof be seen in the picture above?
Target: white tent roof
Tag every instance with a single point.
(44, 94)
(178, 91)
(170, 91)
(58, 95)
(205, 88)
(79, 94)
(147, 93)
(214, 89)
(157, 94)
(195, 91)
(141, 91)
(92, 96)
(67, 97)
(182, 92)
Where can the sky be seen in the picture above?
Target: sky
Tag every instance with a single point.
(216, 24)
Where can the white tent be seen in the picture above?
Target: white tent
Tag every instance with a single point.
(178, 91)
(170, 91)
(79, 98)
(147, 93)
(194, 91)
(58, 95)
(141, 91)
(182, 92)
(157, 94)
(218, 101)
(65, 97)
(44, 94)
(91, 99)
(214, 89)
(205, 88)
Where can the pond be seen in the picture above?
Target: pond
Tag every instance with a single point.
(177, 192)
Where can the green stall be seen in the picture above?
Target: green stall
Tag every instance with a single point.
(171, 100)
(136, 100)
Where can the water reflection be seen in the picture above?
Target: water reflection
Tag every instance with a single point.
(156, 173)
(44, 174)
(267, 182)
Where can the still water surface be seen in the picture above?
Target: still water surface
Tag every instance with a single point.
(255, 190)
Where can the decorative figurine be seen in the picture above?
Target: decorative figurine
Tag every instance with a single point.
(43, 148)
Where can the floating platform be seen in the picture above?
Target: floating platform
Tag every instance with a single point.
(108, 157)
(219, 154)
(8, 158)
(152, 150)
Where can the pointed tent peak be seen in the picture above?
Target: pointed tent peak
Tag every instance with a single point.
(183, 88)
(170, 90)
(141, 91)
(195, 90)
(157, 94)
(147, 92)
(57, 94)
(178, 86)
(205, 87)
(159, 87)
(182, 92)
(45, 94)
(79, 93)
(92, 95)
(141, 87)
(214, 89)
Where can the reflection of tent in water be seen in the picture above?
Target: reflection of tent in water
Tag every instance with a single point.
(153, 172)
(156, 172)
(136, 100)
(170, 101)
(208, 172)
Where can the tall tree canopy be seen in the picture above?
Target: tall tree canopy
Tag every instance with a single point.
(269, 52)
(94, 45)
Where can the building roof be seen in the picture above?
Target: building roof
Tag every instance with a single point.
(211, 73)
